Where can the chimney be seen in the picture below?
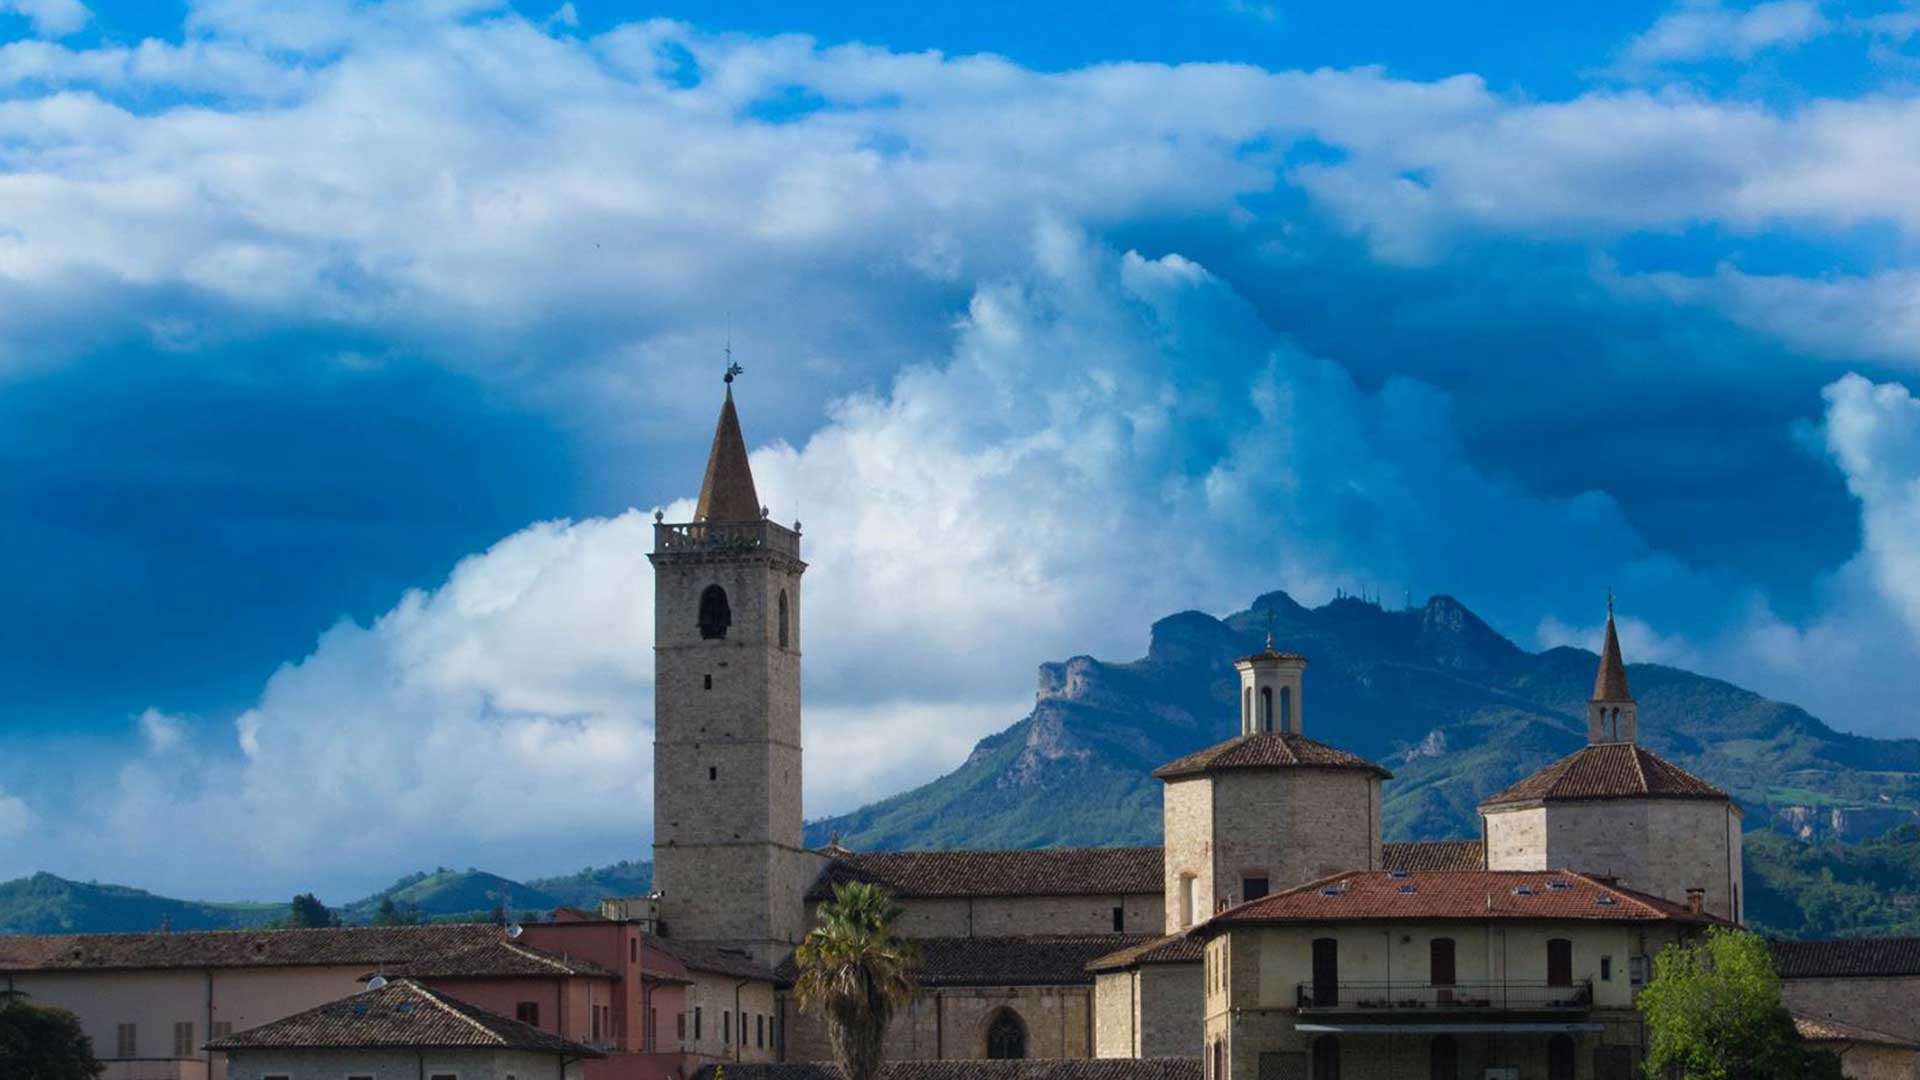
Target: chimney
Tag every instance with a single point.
(1696, 897)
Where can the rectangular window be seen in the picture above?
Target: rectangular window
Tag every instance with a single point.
(1189, 898)
(527, 1012)
(1606, 969)
(696, 1021)
(1253, 888)
(442, 1076)
(183, 1039)
(680, 1027)
(1119, 920)
(126, 1041)
(760, 1030)
(596, 1023)
(726, 1028)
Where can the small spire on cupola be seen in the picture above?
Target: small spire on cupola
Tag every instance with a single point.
(1612, 715)
(727, 494)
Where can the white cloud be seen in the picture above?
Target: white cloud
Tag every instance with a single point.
(50, 18)
(1873, 433)
(1701, 29)
(15, 818)
(159, 731)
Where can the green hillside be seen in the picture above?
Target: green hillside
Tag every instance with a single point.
(45, 904)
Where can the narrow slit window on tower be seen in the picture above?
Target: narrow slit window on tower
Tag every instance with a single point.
(709, 684)
(713, 772)
(1119, 920)
(783, 618)
(715, 613)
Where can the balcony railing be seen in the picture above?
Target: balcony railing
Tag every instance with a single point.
(1458, 997)
(713, 538)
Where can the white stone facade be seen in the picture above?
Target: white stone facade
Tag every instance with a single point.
(1660, 846)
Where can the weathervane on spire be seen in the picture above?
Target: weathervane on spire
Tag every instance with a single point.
(732, 368)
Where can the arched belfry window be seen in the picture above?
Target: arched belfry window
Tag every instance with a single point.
(1286, 708)
(1266, 708)
(1006, 1037)
(715, 614)
(1246, 709)
(783, 618)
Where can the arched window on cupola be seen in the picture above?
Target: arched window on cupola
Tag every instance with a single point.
(1246, 710)
(1286, 708)
(1266, 708)
(715, 614)
(1006, 1037)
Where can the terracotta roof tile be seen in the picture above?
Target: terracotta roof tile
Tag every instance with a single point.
(1839, 958)
(495, 959)
(1827, 1029)
(715, 959)
(726, 493)
(400, 1014)
(1271, 750)
(1434, 855)
(1476, 895)
(1021, 872)
(1180, 948)
(1608, 771)
(1029, 1069)
(369, 945)
(1610, 682)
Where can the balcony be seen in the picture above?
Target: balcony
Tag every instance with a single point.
(1416, 997)
(713, 538)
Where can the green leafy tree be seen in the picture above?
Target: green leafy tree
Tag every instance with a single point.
(42, 1043)
(392, 914)
(855, 971)
(1714, 1013)
(306, 912)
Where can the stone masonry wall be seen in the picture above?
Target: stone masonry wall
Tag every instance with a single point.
(1004, 916)
(1187, 826)
(951, 1024)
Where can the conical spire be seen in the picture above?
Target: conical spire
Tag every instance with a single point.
(1610, 684)
(727, 494)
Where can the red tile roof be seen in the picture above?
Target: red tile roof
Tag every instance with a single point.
(1267, 751)
(400, 1014)
(1455, 894)
(1841, 958)
(715, 959)
(1022, 872)
(1434, 855)
(496, 959)
(356, 945)
(1608, 771)
(1821, 1029)
(1181, 948)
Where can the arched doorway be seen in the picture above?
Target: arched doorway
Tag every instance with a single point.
(1006, 1036)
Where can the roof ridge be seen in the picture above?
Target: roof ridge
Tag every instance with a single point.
(448, 1007)
(539, 956)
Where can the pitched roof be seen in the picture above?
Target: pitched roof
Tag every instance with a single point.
(1181, 948)
(343, 945)
(495, 959)
(1018, 872)
(1825, 1029)
(1266, 750)
(1839, 958)
(726, 493)
(400, 1014)
(1476, 895)
(1027, 1069)
(1608, 771)
(1017, 960)
(715, 959)
(1610, 682)
(1434, 855)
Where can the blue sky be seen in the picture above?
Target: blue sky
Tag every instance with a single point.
(338, 340)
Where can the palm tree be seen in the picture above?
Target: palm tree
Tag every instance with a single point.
(855, 971)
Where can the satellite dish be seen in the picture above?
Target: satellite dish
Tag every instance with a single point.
(376, 982)
(514, 930)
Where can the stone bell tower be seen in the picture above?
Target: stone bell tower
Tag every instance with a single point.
(726, 788)
(1612, 715)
